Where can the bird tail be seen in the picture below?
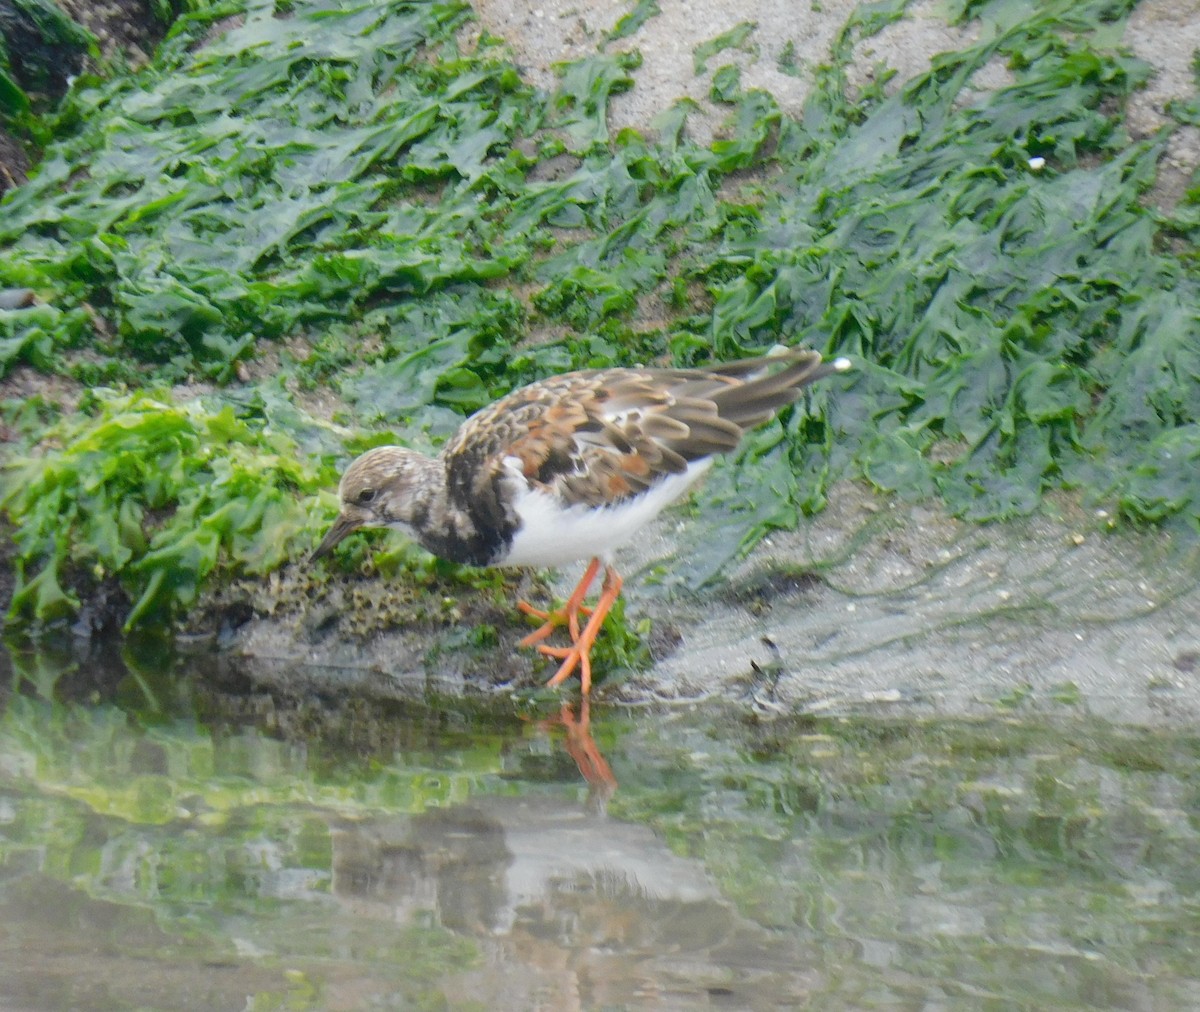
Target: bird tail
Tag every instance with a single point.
(769, 383)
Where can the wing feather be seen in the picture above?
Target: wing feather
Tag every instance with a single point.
(603, 436)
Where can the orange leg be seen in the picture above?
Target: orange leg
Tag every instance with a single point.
(567, 615)
(578, 652)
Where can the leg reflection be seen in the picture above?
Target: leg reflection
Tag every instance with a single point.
(582, 748)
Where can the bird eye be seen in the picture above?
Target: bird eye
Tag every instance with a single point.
(365, 496)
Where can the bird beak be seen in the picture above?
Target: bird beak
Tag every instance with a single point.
(342, 526)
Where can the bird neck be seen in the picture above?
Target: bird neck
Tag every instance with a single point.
(455, 526)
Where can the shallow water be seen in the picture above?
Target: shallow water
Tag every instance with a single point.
(172, 836)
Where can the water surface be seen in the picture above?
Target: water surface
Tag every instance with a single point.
(172, 836)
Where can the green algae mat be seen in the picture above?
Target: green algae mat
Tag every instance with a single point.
(304, 199)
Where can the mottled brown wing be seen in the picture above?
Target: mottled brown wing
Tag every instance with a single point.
(603, 436)
(566, 440)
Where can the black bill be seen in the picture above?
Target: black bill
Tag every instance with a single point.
(341, 527)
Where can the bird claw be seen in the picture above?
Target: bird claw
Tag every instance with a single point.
(525, 608)
(551, 620)
(572, 656)
(560, 653)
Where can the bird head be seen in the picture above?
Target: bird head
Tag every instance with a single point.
(381, 488)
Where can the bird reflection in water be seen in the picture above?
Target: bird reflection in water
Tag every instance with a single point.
(568, 906)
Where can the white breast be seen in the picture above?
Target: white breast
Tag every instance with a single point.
(551, 535)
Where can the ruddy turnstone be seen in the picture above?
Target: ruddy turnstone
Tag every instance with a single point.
(568, 468)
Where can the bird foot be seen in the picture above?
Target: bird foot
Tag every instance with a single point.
(578, 654)
(551, 619)
(567, 615)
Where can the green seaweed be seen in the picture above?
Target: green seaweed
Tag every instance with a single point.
(735, 38)
(1027, 316)
(158, 495)
(629, 24)
(200, 230)
(405, 211)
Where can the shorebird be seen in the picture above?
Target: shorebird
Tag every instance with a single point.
(568, 468)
